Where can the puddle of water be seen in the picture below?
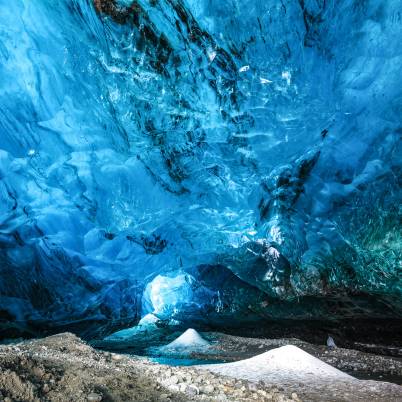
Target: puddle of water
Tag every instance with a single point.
(175, 361)
(153, 356)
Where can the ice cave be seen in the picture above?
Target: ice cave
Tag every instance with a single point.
(213, 162)
(223, 165)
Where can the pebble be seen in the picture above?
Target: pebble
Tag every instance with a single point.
(93, 397)
(191, 390)
(174, 388)
(116, 357)
(252, 387)
(208, 389)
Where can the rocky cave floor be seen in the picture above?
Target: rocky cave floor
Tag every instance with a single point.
(64, 368)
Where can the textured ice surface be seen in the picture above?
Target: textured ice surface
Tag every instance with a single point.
(146, 325)
(220, 161)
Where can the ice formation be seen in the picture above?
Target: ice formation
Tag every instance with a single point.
(205, 161)
(147, 325)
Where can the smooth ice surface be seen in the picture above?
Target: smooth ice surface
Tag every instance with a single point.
(287, 363)
(209, 162)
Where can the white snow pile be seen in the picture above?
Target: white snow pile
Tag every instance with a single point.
(188, 341)
(287, 363)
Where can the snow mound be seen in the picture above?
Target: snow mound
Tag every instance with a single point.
(189, 339)
(284, 363)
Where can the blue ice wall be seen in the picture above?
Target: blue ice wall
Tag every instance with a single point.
(203, 160)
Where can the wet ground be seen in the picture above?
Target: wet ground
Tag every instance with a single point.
(64, 368)
(229, 348)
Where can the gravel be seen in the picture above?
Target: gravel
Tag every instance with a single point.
(64, 368)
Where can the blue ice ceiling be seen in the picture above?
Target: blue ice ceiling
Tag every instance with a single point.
(211, 161)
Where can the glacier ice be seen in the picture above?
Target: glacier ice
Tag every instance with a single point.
(204, 161)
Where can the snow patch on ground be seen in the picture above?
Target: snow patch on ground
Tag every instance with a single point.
(190, 340)
(287, 363)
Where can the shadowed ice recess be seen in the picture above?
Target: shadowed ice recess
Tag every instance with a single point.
(208, 162)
